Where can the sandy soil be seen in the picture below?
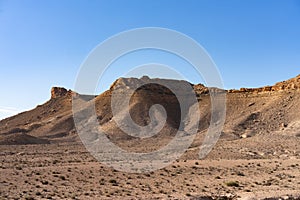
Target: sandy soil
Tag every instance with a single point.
(67, 171)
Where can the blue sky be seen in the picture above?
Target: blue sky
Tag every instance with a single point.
(43, 43)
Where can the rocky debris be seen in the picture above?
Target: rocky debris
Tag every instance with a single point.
(248, 133)
(283, 197)
(291, 129)
(21, 139)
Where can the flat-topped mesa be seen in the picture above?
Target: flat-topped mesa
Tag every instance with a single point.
(57, 92)
(291, 84)
(148, 84)
(162, 86)
(126, 83)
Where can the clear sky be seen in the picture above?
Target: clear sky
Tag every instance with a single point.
(43, 43)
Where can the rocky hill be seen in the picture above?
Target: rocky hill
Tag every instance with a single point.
(250, 112)
(256, 157)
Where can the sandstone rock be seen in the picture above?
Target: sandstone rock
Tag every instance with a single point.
(251, 104)
(161, 86)
(291, 84)
(58, 92)
(247, 134)
(267, 89)
(243, 90)
(284, 125)
(233, 91)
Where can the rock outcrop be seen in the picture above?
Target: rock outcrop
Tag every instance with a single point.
(57, 92)
(291, 84)
(160, 86)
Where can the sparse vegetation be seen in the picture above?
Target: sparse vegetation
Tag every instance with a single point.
(232, 184)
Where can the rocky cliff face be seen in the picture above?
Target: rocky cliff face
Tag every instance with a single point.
(131, 83)
(291, 84)
(134, 83)
(57, 92)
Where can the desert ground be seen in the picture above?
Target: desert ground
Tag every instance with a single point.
(68, 171)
